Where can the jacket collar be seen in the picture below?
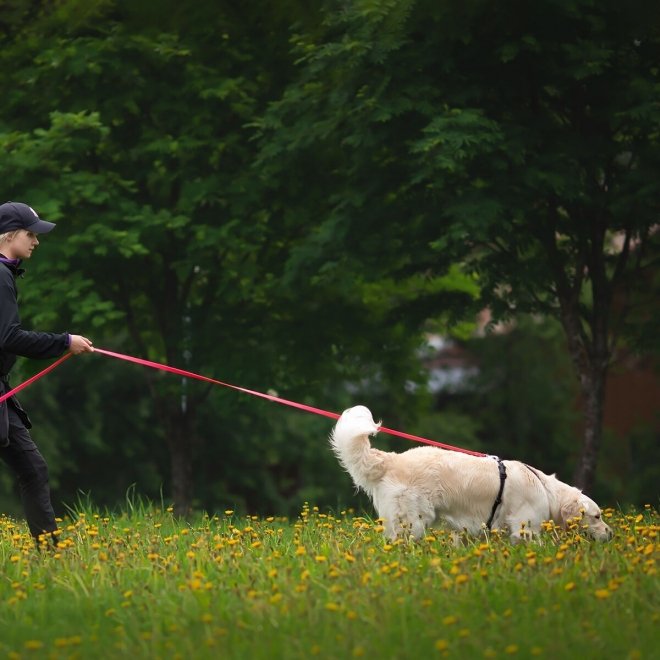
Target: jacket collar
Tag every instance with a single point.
(13, 265)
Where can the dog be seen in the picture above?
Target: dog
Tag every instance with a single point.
(428, 485)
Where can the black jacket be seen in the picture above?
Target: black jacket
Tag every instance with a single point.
(15, 341)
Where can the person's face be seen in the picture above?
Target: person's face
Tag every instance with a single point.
(20, 245)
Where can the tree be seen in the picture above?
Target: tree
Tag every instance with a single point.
(519, 141)
(124, 124)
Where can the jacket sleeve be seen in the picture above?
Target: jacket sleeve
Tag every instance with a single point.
(15, 340)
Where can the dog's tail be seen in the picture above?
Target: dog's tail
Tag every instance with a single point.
(350, 442)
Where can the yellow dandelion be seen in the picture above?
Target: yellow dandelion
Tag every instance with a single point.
(449, 620)
(441, 645)
(569, 586)
(602, 594)
(33, 644)
(511, 649)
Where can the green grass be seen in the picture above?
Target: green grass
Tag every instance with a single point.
(141, 584)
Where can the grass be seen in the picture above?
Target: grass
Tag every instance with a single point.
(143, 584)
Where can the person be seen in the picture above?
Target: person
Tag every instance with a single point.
(20, 227)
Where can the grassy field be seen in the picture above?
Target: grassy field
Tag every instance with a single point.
(142, 584)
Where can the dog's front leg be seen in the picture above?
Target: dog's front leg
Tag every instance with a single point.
(392, 528)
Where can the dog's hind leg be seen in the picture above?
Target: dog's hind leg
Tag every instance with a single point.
(408, 515)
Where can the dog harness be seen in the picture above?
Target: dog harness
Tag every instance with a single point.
(498, 500)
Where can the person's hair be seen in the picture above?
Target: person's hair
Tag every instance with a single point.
(8, 235)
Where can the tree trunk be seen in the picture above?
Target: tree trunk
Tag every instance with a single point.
(593, 402)
(590, 358)
(180, 445)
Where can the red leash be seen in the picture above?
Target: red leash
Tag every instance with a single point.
(276, 399)
(190, 374)
(29, 381)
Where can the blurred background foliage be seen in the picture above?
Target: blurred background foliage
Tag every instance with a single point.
(295, 197)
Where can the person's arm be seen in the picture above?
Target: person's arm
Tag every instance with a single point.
(30, 343)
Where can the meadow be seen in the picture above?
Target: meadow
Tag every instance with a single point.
(140, 583)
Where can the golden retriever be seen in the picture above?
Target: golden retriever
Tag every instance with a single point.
(419, 487)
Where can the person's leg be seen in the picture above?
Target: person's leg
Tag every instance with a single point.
(31, 470)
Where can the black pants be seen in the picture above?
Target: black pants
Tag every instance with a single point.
(31, 471)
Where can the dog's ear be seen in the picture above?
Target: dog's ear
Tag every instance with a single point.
(569, 510)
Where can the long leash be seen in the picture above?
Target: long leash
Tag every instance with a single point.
(29, 381)
(269, 397)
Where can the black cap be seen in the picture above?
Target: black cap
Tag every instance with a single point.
(16, 215)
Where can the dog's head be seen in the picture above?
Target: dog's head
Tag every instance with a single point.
(587, 514)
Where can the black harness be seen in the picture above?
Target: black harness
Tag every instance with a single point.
(498, 500)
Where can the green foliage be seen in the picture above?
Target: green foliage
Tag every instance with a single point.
(283, 197)
(524, 395)
(522, 145)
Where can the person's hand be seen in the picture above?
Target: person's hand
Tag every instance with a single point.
(80, 344)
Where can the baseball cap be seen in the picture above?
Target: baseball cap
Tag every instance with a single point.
(16, 215)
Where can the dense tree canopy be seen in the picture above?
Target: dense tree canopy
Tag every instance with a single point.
(519, 141)
(286, 197)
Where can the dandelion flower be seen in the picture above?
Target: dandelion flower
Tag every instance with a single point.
(33, 645)
(441, 645)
